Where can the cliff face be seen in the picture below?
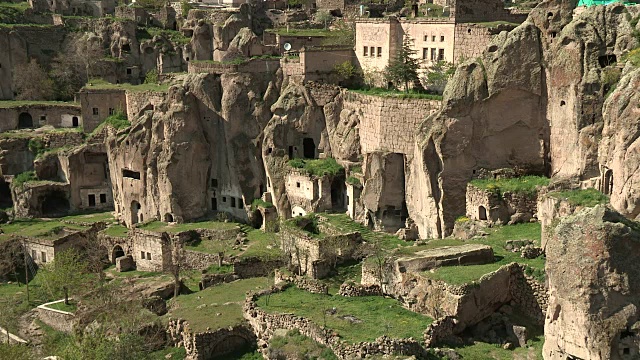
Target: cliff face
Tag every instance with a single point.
(594, 284)
(534, 101)
(198, 146)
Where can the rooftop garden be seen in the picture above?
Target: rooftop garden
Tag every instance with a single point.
(160, 226)
(582, 197)
(98, 84)
(411, 94)
(5, 104)
(355, 319)
(317, 167)
(521, 185)
(216, 307)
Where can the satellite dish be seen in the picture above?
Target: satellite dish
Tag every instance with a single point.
(287, 46)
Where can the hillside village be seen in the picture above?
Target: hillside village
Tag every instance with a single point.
(330, 179)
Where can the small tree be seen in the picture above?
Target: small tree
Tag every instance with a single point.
(439, 74)
(324, 16)
(66, 273)
(403, 68)
(32, 82)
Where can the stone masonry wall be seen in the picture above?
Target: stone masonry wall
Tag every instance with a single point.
(388, 124)
(470, 41)
(255, 267)
(529, 294)
(194, 260)
(59, 320)
(209, 344)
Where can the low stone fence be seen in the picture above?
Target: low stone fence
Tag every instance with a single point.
(255, 267)
(265, 324)
(440, 330)
(529, 294)
(57, 319)
(209, 280)
(304, 283)
(209, 344)
(351, 289)
(195, 260)
(251, 66)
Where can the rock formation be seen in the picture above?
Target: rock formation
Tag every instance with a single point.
(594, 286)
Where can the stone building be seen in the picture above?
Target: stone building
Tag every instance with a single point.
(462, 35)
(43, 249)
(37, 115)
(500, 207)
(98, 104)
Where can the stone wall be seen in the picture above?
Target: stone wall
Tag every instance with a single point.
(551, 208)
(97, 105)
(330, 4)
(210, 344)
(29, 198)
(55, 115)
(265, 324)
(255, 267)
(209, 280)
(15, 156)
(59, 320)
(302, 282)
(507, 207)
(350, 289)
(140, 101)
(251, 66)
(388, 124)
(61, 139)
(485, 11)
(529, 294)
(471, 40)
(151, 250)
(194, 260)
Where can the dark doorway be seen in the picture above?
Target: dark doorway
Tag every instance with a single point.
(5, 195)
(258, 219)
(482, 213)
(608, 182)
(338, 194)
(135, 210)
(168, 218)
(92, 200)
(55, 203)
(214, 204)
(606, 60)
(290, 152)
(103, 198)
(309, 148)
(25, 121)
(116, 253)
(75, 122)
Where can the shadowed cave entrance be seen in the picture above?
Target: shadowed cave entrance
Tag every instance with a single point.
(55, 203)
(5, 196)
(116, 253)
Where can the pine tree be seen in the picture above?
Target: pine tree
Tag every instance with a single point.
(403, 68)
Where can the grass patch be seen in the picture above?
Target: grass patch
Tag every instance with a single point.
(35, 228)
(117, 231)
(317, 167)
(12, 12)
(215, 269)
(23, 178)
(92, 217)
(263, 245)
(173, 353)
(586, 197)
(260, 203)
(376, 315)
(397, 94)
(433, 11)
(103, 84)
(5, 104)
(497, 237)
(294, 345)
(343, 223)
(201, 309)
(63, 307)
(632, 56)
(175, 36)
(160, 226)
(521, 185)
(493, 24)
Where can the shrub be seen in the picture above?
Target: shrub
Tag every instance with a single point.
(24, 177)
(36, 146)
(151, 77)
(260, 203)
(462, 219)
(317, 167)
(352, 180)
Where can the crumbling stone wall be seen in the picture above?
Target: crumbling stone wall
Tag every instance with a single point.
(151, 250)
(59, 320)
(210, 344)
(138, 102)
(388, 124)
(97, 105)
(255, 267)
(471, 40)
(54, 115)
(194, 260)
(499, 207)
(250, 66)
(302, 282)
(530, 295)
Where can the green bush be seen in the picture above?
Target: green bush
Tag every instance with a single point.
(151, 77)
(260, 203)
(36, 146)
(352, 180)
(317, 167)
(24, 177)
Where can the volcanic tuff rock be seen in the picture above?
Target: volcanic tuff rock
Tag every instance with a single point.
(594, 287)
(533, 100)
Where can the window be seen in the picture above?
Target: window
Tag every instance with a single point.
(434, 54)
(297, 184)
(214, 182)
(268, 181)
(240, 203)
(131, 174)
(148, 256)
(92, 200)
(441, 38)
(224, 199)
(426, 38)
(440, 54)
(128, 71)
(433, 38)
(95, 111)
(43, 117)
(233, 202)
(43, 256)
(103, 198)
(366, 51)
(111, 111)
(379, 51)
(142, 255)
(425, 53)
(372, 51)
